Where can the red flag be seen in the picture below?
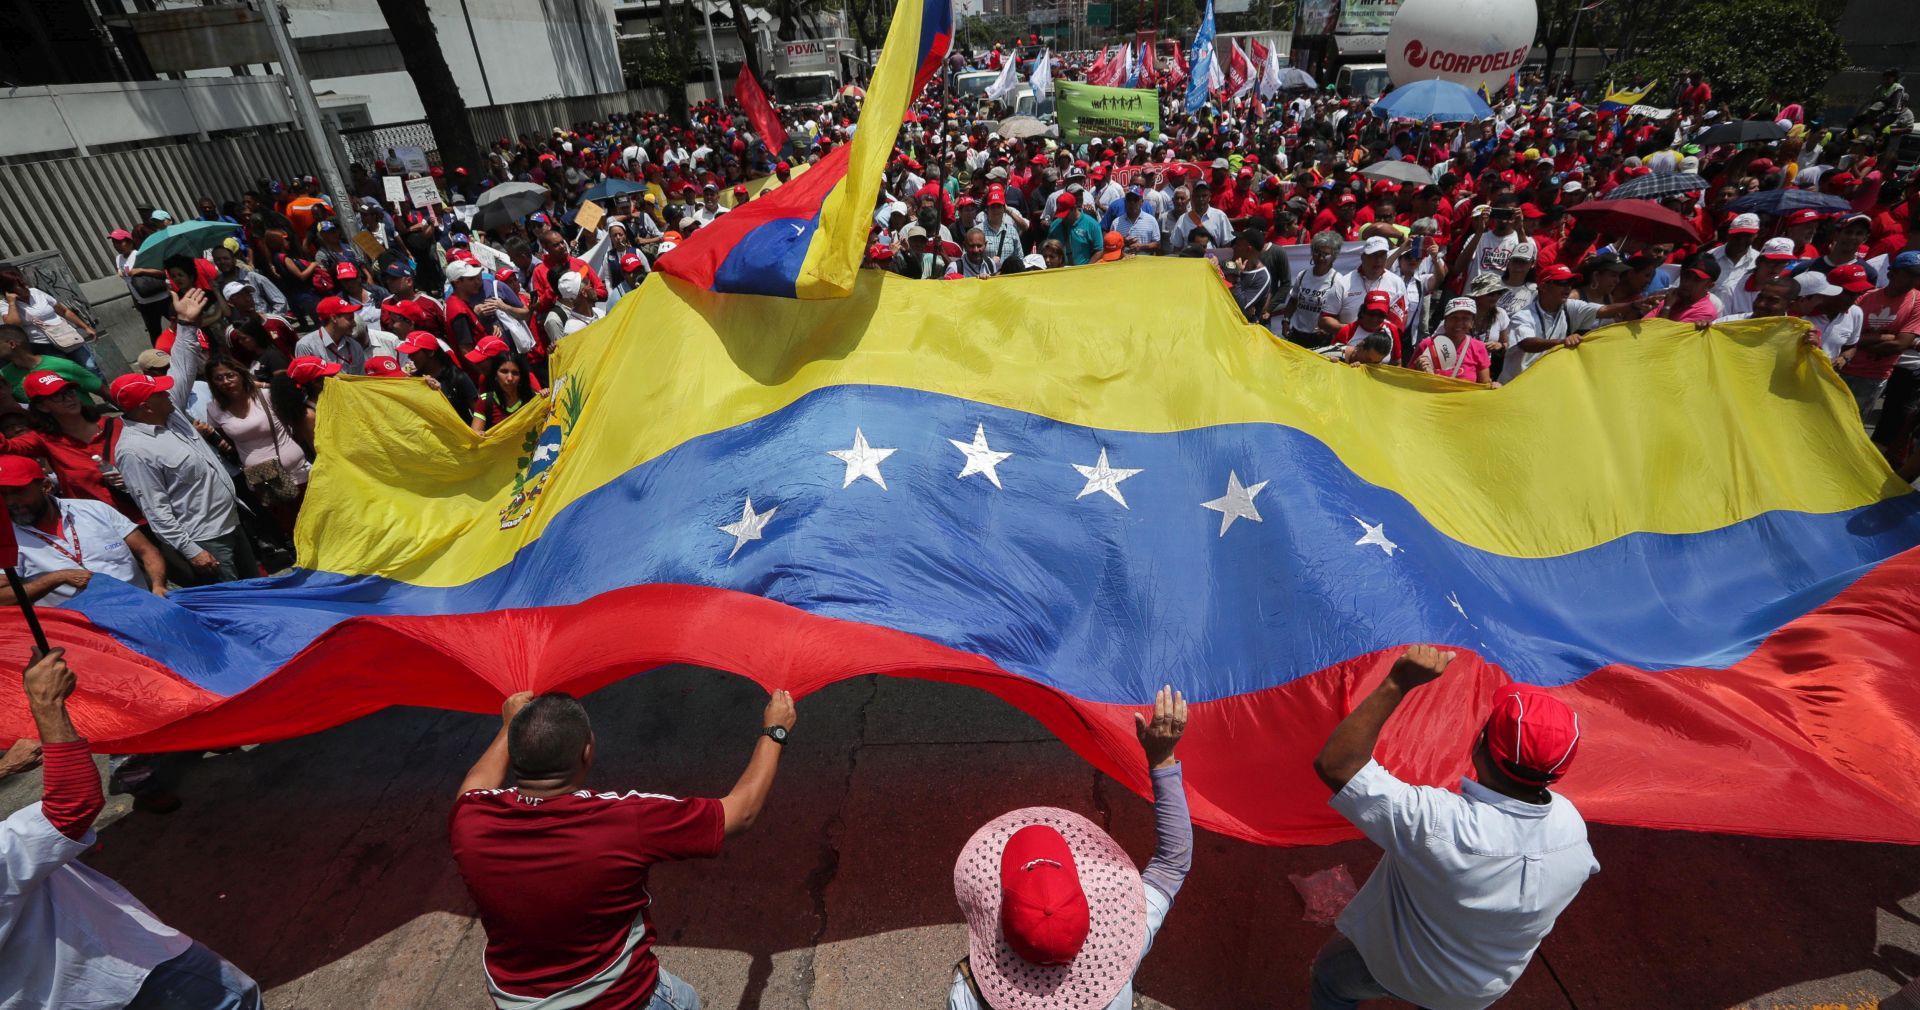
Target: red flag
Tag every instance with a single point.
(760, 112)
(1259, 52)
(1097, 73)
(1238, 72)
(1178, 75)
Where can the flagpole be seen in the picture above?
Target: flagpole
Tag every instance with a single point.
(26, 608)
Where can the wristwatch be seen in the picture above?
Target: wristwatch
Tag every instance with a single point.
(778, 733)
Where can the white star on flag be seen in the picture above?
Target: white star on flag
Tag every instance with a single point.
(980, 457)
(748, 528)
(1101, 477)
(862, 460)
(1375, 535)
(1236, 504)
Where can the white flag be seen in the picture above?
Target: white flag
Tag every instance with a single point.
(1003, 85)
(1270, 75)
(1042, 79)
(1216, 80)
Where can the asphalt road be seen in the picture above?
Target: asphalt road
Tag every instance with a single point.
(320, 866)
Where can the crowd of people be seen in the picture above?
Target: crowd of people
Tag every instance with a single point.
(1459, 249)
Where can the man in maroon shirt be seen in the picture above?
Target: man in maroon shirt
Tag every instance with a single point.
(560, 873)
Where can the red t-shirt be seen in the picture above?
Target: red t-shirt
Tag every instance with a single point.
(560, 881)
(1884, 313)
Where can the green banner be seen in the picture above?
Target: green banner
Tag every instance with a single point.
(1088, 110)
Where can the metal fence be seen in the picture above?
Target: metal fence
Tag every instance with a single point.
(366, 145)
(70, 204)
(492, 123)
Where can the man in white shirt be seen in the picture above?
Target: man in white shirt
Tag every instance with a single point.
(65, 542)
(1555, 319)
(69, 935)
(1470, 881)
(1737, 253)
(1203, 214)
(177, 479)
(1372, 275)
(1738, 290)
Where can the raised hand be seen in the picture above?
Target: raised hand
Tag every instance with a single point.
(1163, 730)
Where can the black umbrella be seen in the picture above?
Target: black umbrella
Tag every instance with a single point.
(1745, 131)
(1787, 199)
(507, 203)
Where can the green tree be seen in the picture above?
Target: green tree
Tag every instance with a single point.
(1753, 52)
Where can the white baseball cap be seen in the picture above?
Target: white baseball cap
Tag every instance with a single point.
(1376, 244)
(1748, 224)
(1463, 305)
(570, 285)
(460, 270)
(232, 288)
(1573, 186)
(1816, 284)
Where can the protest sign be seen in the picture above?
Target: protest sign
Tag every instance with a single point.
(589, 216)
(411, 159)
(1087, 110)
(396, 188)
(369, 245)
(423, 192)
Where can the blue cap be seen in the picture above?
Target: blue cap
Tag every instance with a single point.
(1909, 260)
(397, 270)
(1136, 191)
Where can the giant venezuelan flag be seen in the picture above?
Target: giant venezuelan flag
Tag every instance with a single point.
(1683, 534)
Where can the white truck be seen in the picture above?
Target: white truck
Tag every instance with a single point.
(812, 71)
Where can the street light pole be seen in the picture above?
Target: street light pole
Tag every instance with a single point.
(713, 55)
(307, 112)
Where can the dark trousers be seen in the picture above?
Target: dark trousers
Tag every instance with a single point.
(1895, 426)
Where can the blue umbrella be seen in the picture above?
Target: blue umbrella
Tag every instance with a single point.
(607, 189)
(193, 238)
(1785, 200)
(1433, 101)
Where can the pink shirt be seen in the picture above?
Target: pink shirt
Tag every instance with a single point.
(1475, 363)
(1705, 310)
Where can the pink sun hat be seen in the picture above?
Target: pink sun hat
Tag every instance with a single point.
(1115, 903)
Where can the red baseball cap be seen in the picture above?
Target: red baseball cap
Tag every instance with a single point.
(44, 383)
(1377, 301)
(1850, 277)
(406, 309)
(19, 471)
(1805, 215)
(385, 366)
(996, 195)
(1554, 274)
(1043, 909)
(346, 271)
(332, 305)
(131, 390)
(1532, 735)
(1067, 202)
(307, 367)
(487, 347)
(419, 340)
(632, 261)
(739, 191)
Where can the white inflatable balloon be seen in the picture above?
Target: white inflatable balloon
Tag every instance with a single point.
(1470, 42)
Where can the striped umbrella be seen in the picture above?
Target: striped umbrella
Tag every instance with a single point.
(1658, 186)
